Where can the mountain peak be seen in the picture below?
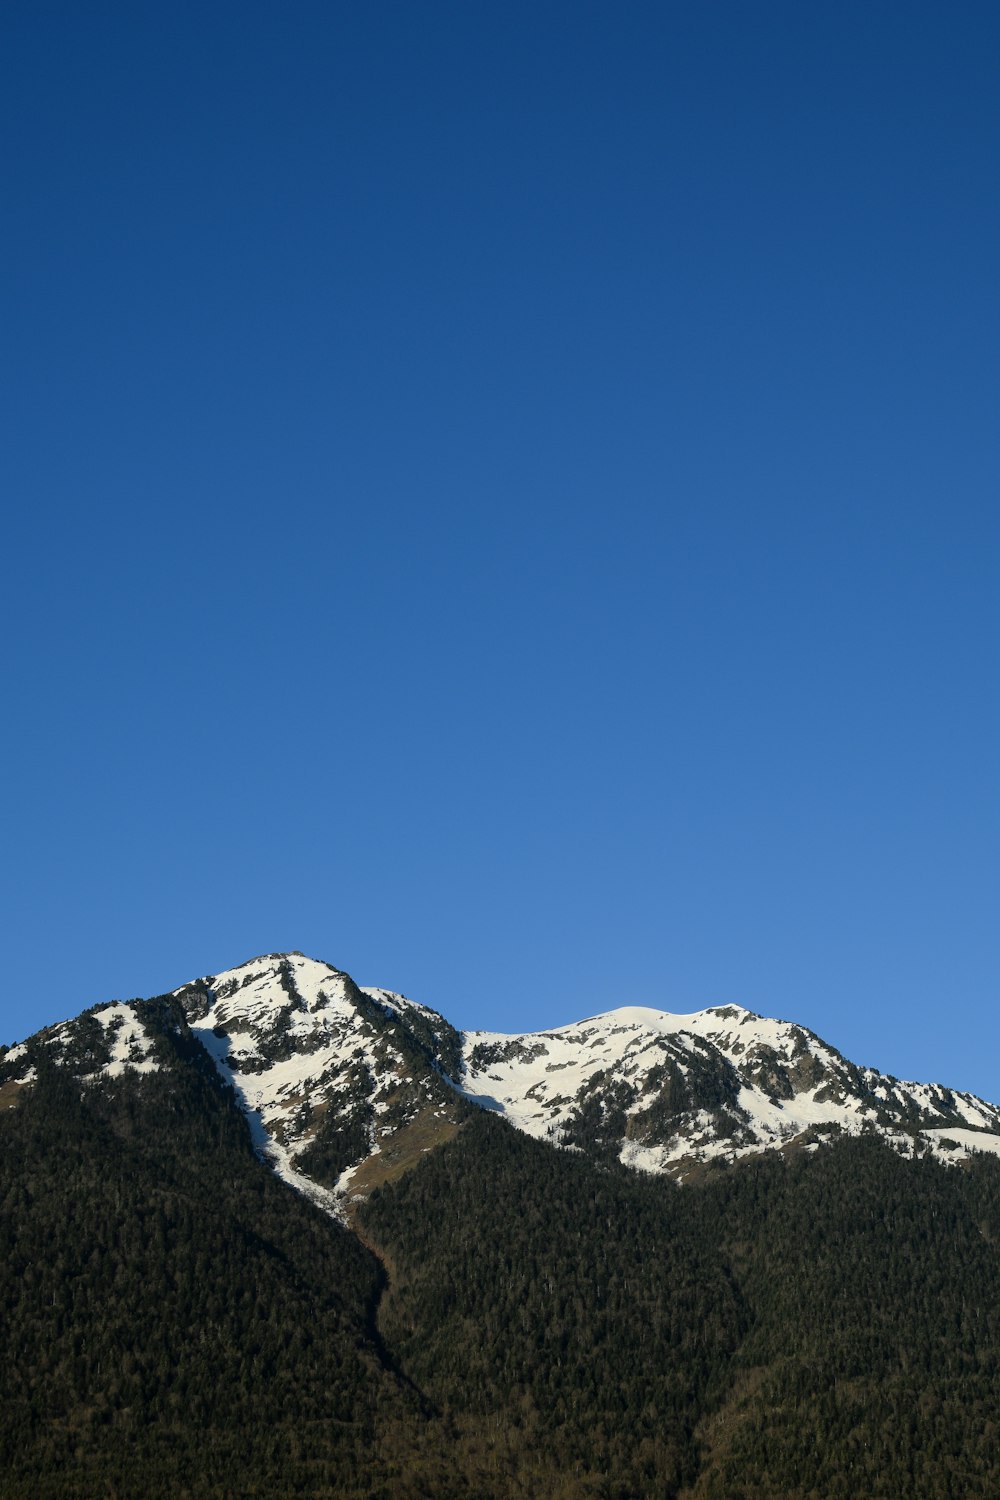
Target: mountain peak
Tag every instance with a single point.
(344, 1085)
(331, 1073)
(270, 965)
(326, 1071)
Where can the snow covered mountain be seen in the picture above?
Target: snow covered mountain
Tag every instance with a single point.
(665, 1092)
(345, 1087)
(331, 1076)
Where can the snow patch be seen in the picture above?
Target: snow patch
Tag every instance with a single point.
(130, 1043)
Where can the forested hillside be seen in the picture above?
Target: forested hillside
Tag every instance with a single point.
(872, 1361)
(570, 1309)
(821, 1325)
(175, 1320)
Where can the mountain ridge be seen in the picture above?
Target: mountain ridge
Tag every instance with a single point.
(343, 1085)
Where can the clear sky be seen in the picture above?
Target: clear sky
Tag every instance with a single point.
(504, 498)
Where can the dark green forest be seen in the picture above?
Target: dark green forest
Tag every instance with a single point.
(817, 1325)
(505, 1320)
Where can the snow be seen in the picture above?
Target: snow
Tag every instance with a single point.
(268, 1148)
(536, 1084)
(536, 1080)
(389, 1000)
(130, 1043)
(326, 1039)
(970, 1140)
(294, 1045)
(27, 1077)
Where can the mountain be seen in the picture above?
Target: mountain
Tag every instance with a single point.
(345, 1086)
(666, 1093)
(331, 1076)
(445, 1305)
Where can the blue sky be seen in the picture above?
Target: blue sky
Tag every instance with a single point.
(504, 499)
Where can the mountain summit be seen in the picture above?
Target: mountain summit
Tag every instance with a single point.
(345, 1087)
